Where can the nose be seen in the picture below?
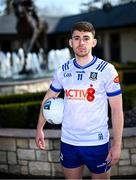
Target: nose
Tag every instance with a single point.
(81, 41)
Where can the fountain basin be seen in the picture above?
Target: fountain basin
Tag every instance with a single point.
(26, 83)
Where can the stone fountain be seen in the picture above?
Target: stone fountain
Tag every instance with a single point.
(36, 77)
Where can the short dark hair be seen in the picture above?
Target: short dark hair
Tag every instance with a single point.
(83, 26)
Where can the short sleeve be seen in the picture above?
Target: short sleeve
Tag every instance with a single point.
(112, 84)
(55, 84)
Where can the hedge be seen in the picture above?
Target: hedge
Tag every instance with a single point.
(25, 114)
(19, 114)
(26, 97)
(129, 97)
(18, 98)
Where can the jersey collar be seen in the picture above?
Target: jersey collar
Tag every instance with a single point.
(87, 65)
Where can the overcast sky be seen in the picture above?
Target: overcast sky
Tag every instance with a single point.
(59, 7)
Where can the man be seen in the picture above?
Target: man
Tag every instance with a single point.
(89, 84)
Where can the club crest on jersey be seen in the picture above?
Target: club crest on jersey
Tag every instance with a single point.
(93, 76)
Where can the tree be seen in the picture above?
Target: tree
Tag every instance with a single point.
(95, 4)
(6, 7)
(9, 8)
(126, 1)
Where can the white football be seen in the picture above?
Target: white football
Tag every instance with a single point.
(53, 110)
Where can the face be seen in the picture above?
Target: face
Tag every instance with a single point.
(82, 43)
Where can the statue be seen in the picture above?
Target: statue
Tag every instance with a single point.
(30, 27)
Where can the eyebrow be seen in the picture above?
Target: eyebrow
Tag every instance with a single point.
(79, 36)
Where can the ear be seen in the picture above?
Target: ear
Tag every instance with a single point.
(70, 43)
(94, 42)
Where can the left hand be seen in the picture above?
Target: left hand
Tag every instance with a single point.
(114, 155)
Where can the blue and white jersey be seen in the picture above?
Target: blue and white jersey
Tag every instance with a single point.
(86, 107)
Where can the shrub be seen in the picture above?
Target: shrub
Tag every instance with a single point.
(22, 111)
(18, 98)
(26, 97)
(19, 115)
(129, 97)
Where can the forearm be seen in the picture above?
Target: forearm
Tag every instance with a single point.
(41, 121)
(117, 118)
(117, 126)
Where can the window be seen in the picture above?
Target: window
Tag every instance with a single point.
(115, 47)
(98, 49)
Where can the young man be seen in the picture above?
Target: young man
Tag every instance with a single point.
(89, 84)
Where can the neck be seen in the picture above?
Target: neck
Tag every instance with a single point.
(82, 61)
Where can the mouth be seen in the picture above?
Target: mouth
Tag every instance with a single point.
(81, 49)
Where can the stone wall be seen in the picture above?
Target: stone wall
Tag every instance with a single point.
(19, 154)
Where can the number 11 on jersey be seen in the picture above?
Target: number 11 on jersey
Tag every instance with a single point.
(80, 77)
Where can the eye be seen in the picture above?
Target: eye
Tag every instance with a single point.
(76, 38)
(86, 38)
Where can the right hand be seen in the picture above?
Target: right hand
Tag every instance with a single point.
(40, 139)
